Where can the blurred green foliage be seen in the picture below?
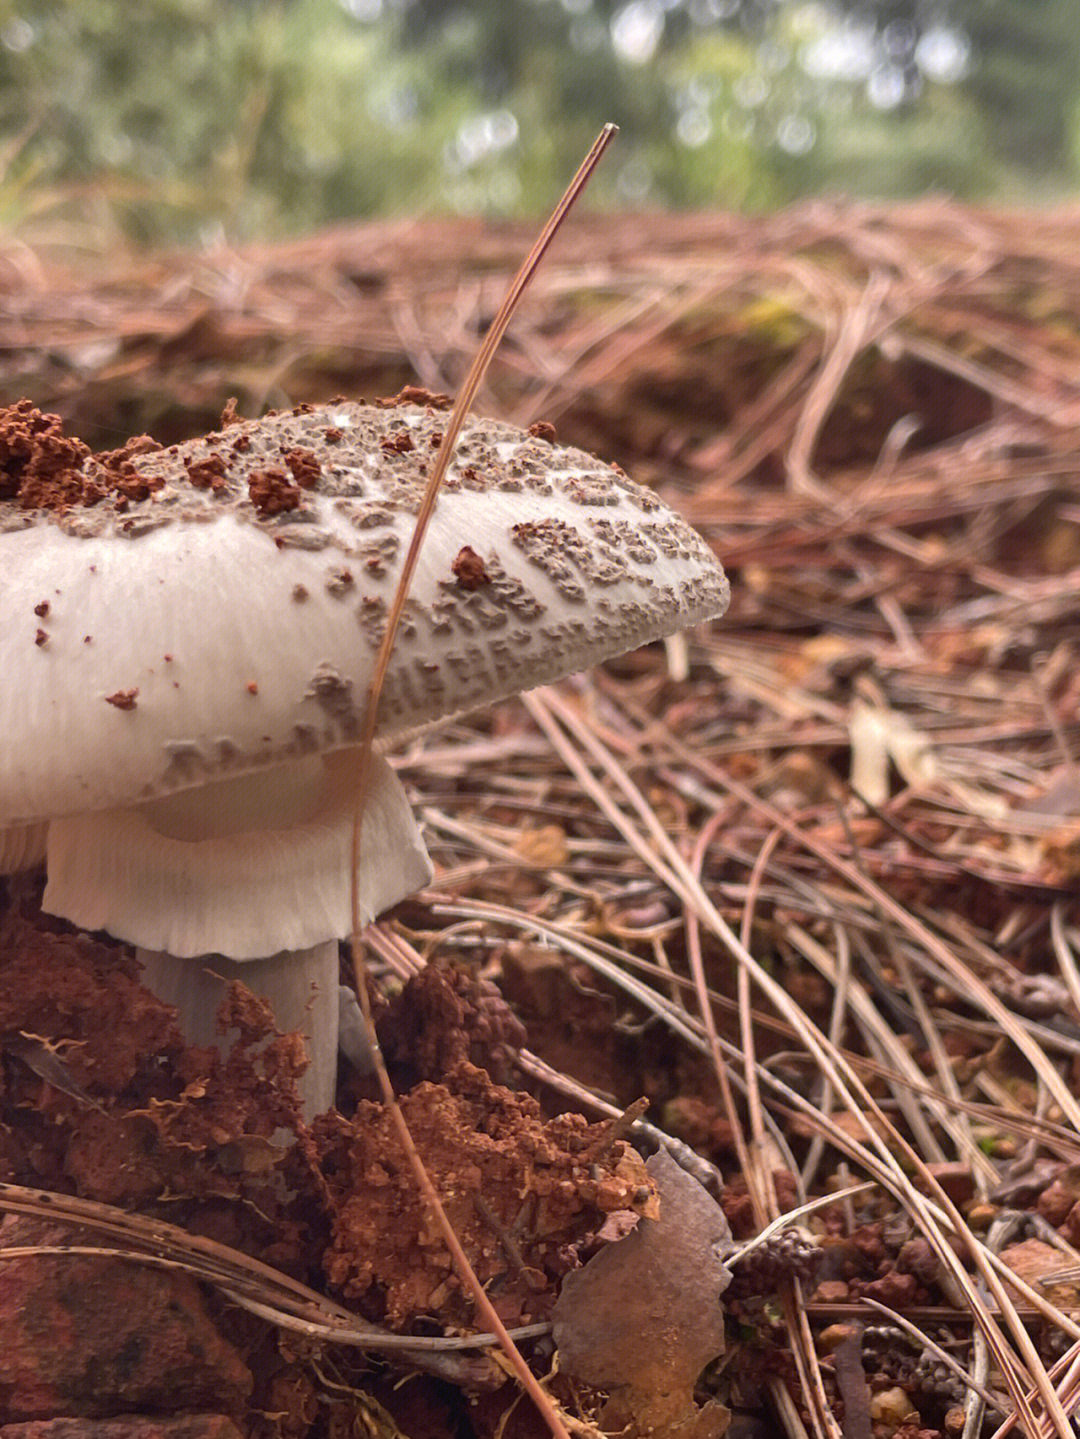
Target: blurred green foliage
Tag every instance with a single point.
(190, 119)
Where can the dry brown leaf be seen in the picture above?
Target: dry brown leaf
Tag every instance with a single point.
(545, 846)
(643, 1318)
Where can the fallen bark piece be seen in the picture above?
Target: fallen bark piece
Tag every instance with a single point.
(643, 1318)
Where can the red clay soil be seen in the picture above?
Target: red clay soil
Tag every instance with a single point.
(100, 1098)
(522, 1193)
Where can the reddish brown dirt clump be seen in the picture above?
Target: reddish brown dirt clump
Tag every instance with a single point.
(520, 1191)
(102, 1096)
(272, 493)
(415, 395)
(42, 468)
(305, 467)
(469, 569)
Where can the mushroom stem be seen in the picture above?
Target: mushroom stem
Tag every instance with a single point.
(301, 987)
(258, 869)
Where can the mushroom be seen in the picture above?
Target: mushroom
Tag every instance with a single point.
(187, 727)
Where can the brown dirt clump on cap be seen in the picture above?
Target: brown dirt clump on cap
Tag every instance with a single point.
(42, 468)
(399, 443)
(207, 473)
(272, 492)
(305, 467)
(469, 569)
(121, 476)
(415, 395)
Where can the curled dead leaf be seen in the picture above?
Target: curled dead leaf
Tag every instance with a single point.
(643, 1318)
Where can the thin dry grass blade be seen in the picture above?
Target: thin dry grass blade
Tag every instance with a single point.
(543, 1401)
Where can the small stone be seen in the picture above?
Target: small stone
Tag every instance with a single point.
(916, 1257)
(894, 1289)
(981, 1216)
(832, 1335)
(956, 1179)
(1038, 1264)
(1055, 1202)
(832, 1291)
(891, 1408)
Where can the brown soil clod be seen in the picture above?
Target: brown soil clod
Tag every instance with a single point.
(469, 569)
(476, 1139)
(272, 492)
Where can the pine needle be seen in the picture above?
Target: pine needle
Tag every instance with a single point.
(467, 394)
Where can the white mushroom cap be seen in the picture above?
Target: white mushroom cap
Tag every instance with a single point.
(229, 620)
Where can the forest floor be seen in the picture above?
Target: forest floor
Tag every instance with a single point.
(806, 881)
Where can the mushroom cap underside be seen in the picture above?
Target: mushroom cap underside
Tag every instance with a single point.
(230, 619)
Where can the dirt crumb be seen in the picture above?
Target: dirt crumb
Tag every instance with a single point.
(305, 467)
(399, 443)
(123, 699)
(415, 395)
(120, 475)
(272, 493)
(469, 569)
(207, 473)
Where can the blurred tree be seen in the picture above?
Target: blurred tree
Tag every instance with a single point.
(1025, 77)
(1022, 72)
(183, 118)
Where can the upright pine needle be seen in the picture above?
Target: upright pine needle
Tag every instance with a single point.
(466, 395)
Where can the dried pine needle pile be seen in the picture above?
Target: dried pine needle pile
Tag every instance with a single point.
(848, 817)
